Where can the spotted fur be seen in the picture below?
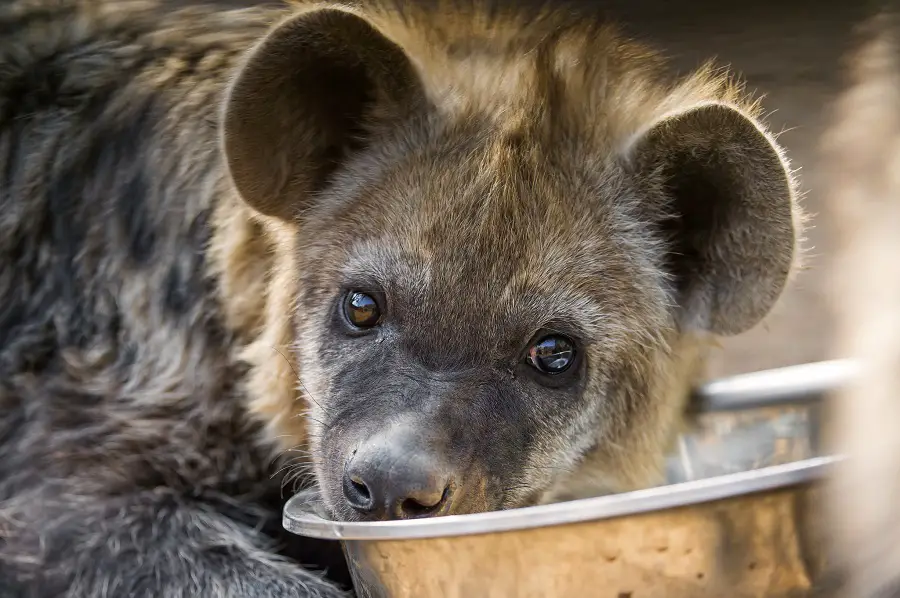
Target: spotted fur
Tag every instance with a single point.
(185, 195)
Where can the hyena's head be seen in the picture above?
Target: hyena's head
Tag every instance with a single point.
(510, 246)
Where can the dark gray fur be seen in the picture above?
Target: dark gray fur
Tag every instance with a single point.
(128, 467)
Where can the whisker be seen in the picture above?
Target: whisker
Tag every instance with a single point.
(297, 450)
(299, 380)
(295, 470)
(309, 417)
(279, 456)
(296, 479)
(296, 462)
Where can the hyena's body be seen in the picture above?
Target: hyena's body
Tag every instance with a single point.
(484, 175)
(122, 422)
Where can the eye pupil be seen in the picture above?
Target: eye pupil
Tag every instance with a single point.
(362, 310)
(552, 354)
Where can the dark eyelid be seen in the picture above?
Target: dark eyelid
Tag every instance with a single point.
(369, 287)
(571, 331)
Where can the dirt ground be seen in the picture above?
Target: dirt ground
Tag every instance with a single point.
(788, 51)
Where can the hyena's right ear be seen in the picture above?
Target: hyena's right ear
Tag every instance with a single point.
(308, 93)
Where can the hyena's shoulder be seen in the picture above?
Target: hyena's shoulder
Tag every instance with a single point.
(111, 332)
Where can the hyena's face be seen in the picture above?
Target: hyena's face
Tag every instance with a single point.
(482, 309)
(460, 326)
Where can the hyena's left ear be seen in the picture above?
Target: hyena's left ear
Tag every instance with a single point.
(308, 94)
(730, 214)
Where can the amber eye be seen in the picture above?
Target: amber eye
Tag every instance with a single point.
(552, 354)
(361, 310)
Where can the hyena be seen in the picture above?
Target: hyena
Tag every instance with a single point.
(863, 158)
(457, 256)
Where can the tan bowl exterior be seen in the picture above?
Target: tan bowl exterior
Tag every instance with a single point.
(746, 547)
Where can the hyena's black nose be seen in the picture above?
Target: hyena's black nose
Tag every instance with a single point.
(381, 483)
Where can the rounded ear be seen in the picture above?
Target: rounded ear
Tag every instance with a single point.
(308, 94)
(729, 215)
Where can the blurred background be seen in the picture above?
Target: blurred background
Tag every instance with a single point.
(792, 52)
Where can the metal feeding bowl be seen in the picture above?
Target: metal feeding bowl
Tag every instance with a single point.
(735, 518)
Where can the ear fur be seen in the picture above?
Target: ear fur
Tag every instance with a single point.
(307, 95)
(729, 216)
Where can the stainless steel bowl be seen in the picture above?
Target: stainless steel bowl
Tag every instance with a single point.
(736, 518)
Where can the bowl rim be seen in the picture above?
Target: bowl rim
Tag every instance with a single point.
(299, 519)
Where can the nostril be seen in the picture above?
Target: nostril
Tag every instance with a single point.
(361, 489)
(358, 494)
(424, 506)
